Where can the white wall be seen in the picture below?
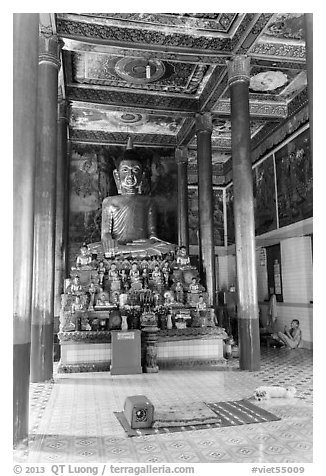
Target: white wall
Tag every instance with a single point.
(297, 284)
(296, 258)
(297, 281)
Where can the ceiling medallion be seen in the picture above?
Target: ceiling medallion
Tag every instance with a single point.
(140, 70)
(130, 118)
(268, 81)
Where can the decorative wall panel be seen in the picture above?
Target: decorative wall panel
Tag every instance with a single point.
(294, 180)
(264, 197)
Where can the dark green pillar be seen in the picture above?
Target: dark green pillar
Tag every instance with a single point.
(25, 59)
(181, 157)
(62, 202)
(205, 201)
(248, 316)
(44, 218)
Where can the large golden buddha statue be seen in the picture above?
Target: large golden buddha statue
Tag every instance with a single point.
(129, 219)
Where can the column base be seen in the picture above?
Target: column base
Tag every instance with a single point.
(41, 352)
(249, 344)
(21, 369)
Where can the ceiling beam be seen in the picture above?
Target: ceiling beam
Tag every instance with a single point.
(88, 46)
(132, 99)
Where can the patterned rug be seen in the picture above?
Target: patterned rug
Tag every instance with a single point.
(241, 412)
(200, 416)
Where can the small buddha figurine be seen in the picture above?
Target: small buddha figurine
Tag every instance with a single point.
(101, 271)
(77, 305)
(76, 287)
(157, 275)
(134, 274)
(201, 304)
(84, 259)
(194, 287)
(123, 276)
(183, 259)
(179, 292)
(92, 291)
(114, 278)
(113, 272)
(193, 291)
(166, 273)
(145, 277)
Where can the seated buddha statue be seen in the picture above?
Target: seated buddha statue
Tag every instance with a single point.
(129, 219)
(183, 259)
(84, 259)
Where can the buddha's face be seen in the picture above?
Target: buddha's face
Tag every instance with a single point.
(130, 176)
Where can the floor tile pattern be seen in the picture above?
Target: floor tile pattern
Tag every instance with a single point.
(72, 420)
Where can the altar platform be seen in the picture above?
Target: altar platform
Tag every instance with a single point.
(91, 351)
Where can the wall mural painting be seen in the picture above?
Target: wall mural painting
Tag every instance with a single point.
(230, 215)
(218, 217)
(294, 180)
(264, 197)
(91, 180)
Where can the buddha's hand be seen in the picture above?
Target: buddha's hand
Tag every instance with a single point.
(109, 244)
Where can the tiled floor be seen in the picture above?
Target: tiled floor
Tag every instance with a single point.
(72, 420)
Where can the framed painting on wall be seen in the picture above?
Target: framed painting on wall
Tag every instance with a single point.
(294, 180)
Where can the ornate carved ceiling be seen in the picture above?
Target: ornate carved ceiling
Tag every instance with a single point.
(148, 74)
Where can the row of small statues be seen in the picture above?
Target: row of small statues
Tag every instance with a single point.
(86, 260)
(176, 295)
(135, 318)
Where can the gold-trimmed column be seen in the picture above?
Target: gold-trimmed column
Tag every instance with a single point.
(244, 222)
(181, 156)
(45, 200)
(25, 58)
(62, 207)
(204, 129)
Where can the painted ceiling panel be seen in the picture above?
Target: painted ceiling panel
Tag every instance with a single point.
(100, 119)
(148, 74)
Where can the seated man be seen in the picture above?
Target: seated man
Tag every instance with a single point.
(129, 219)
(290, 337)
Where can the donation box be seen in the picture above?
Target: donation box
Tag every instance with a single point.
(126, 352)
